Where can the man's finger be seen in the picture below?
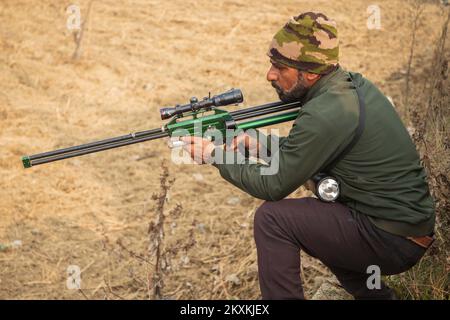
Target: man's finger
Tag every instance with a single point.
(187, 139)
(234, 143)
(189, 148)
(239, 140)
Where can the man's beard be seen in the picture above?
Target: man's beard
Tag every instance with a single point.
(296, 93)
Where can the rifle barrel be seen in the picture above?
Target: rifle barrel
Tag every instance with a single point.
(92, 147)
(268, 121)
(256, 112)
(267, 106)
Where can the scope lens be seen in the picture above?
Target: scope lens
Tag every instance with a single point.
(166, 113)
(230, 97)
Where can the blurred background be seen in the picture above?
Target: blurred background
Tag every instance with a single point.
(74, 72)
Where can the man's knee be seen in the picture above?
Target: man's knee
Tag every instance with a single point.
(265, 213)
(271, 211)
(267, 226)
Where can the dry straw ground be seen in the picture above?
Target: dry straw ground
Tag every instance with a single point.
(136, 56)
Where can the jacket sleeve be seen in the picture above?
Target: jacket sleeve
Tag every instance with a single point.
(309, 147)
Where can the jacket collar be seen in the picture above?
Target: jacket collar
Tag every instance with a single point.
(324, 83)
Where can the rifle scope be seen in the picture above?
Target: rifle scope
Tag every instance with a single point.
(230, 97)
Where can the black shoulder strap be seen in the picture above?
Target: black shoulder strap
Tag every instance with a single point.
(359, 130)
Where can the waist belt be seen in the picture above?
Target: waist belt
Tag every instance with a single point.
(424, 242)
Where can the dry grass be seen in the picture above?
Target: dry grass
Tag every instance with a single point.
(429, 115)
(137, 56)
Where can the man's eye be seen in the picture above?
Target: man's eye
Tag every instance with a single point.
(278, 66)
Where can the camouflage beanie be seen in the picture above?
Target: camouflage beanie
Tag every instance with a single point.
(308, 42)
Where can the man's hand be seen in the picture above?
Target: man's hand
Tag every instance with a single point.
(200, 149)
(249, 143)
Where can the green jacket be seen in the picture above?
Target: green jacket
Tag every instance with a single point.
(381, 176)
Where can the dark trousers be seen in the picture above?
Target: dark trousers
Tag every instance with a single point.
(345, 241)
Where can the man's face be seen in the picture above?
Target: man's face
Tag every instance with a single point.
(288, 82)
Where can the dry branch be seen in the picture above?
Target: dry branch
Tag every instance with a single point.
(78, 35)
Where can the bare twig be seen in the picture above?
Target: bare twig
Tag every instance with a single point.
(83, 294)
(160, 251)
(157, 259)
(418, 9)
(113, 293)
(156, 234)
(78, 35)
(132, 253)
(440, 63)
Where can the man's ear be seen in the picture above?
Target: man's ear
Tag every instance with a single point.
(312, 76)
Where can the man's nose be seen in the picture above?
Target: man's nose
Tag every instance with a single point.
(272, 74)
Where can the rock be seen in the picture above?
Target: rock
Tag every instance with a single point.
(215, 268)
(185, 260)
(148, 86)
(330, 289)
(233, 201)
(13, 245)
(198, 177)
(391, 101)
(411, 130)
(233, 278)
(16, 244)
(201, 227)
(173, 227)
